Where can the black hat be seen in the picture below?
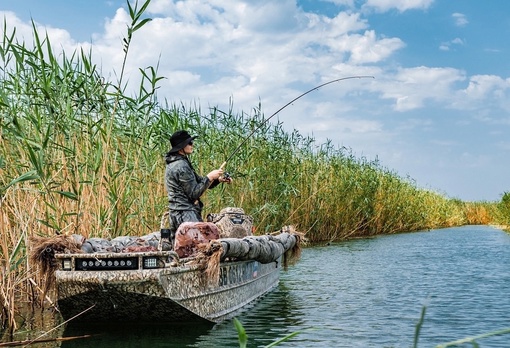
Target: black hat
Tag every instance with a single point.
(179, 140)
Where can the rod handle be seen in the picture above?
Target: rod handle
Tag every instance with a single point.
(223, 165)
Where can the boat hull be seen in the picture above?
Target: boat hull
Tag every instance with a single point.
(180, 293)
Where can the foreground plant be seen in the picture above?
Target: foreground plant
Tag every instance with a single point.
(243, 337)
(473, 340)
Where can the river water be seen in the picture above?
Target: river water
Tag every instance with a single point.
(362, 293)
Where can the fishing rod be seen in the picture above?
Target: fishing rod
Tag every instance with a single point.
(283, 107)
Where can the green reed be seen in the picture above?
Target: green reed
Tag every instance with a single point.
(77, 155)
(500, 214)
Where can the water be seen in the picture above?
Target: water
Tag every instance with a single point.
(362, 293)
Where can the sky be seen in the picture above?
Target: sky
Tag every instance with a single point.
(437, 110)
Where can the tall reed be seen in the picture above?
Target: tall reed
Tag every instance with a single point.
(501, 212)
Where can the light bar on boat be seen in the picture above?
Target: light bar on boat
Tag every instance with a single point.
(98, 264)
(67, 264)
(150, 262)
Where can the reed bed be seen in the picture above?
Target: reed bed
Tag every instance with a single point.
(78, 156)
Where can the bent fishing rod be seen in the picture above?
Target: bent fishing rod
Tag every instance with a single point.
(283, 107)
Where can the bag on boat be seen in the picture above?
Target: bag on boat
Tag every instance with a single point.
(232, 222)
(190, 234)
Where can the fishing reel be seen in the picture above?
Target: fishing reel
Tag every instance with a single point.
(225, 176)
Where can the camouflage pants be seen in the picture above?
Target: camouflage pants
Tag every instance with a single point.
(177, 217)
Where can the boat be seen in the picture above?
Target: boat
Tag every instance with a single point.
(220, 279)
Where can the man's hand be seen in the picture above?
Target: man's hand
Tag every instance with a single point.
(225, 178)
(215, 174)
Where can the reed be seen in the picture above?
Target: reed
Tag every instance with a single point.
(500, 213)
(77, 155)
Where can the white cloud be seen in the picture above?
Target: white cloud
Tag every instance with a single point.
(480, 86)
(460, 19)
(400, 5)
(411, 87)
(368, 49)
(487, 93)
(232, 48)
(23, 30)
(445, 46)
(349, 3)
(60, 38)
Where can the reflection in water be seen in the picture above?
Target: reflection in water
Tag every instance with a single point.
(274, 316)
(134, 335)
(36, 325)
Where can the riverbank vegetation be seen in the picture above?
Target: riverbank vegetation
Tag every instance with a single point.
(79, 154)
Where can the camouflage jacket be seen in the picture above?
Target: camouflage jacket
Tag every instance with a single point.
(184, 186)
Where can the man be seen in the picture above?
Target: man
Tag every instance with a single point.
(184, 186)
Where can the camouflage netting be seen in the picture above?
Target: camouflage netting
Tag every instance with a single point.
(43, 254)
(43, 250)
(125, 244)
(264, 249)
(208, 258)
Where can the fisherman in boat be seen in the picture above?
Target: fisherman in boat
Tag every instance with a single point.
(184, 186)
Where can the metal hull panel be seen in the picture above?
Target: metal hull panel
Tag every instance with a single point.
(168, 294)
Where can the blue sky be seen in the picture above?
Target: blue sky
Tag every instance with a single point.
(438, 110)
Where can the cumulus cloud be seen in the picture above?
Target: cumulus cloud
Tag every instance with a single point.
(23, 30)
(60, 38)
(400, 5)
(482, 85)
(349, 3)
(485, 92)
(369, 49)
(445, 46)
(242, 51)
(460, 19)
(411, 87)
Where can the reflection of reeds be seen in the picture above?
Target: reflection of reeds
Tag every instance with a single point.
(78, 156)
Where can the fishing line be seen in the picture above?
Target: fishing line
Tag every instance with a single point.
(283, 107)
